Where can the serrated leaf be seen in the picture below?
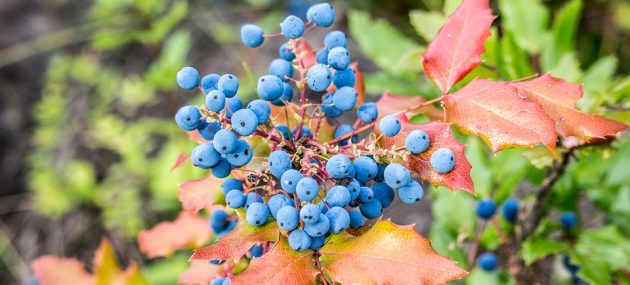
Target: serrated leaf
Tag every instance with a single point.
(538, 248)
(197, 194)
(495, 112)
(390, 104)
(456, 49)
(200, 273)
(440, 135)
(280, 265)
(558, 99)
(46, 270)
(181, 159)
(187, 231)
(238, 241)
(386, 254)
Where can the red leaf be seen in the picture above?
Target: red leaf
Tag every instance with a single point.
(359, 83)
(181, 159)
(199, 193)
(390, 104)
(441, 136)
(558, 97)
(387, 254)
(456, 49)
(308, 57)
(47, 271)
(281, 265)
(195, 136)
(187, 231)
(495, 112)
(199, 273)
(239, 241)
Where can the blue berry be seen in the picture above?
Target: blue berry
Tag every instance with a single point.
(396, 175)
(566, 261)
(228, 83)
(389, 125)
(281, 68)
(220, 281)
(365, 195)
(343, 78)
(244, 122)
(443, 160)
(235, 199)
(309, 213)
(279, 161)
(380, 176)
(510, 210)
(216, 261)
(338, 196)
(383, 194)
(486, 209)
(256, 251)
(366, 168)
(284, 131)
(288, 218)
(367, 112)
(307, 189)
(270, 87)
(252, 198)
(292, 27)
(568, 220)
(286, 52)
(222, 169)
(335, 39)
(317, 242)
(205, 156)
(231, 225)
(321, 14)
(231, 184)
(329, 109)
(219, 220)
(322, 57)
(188, 78)
(356, 219)
(417, 141)
(257, 214)
(187, 118)
(287, 95)
(299, 240)
(411, 193)
(252, 35)
(487, 261)
(339, 219)
(224, 141)
(319, 228)
(338, 166)
(233, 104)
(207, 130)
(372, 209)
(318, 77)
(209, 82)
(261, 109)
(306, 132)
(339, 58)
(290, 179)
(241, 155)
(278, 201)
(345, 98)
(215, 101)
(355, 189)
(343, 130)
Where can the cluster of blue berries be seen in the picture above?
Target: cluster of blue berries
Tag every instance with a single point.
(486, 209)
(311, 189)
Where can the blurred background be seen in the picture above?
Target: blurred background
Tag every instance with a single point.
(88, 93)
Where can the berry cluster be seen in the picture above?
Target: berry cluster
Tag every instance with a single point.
(312, 189)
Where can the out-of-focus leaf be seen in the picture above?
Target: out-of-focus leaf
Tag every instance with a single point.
(515, 60)
(200, 273)
(538, 247)
(526, 20)
(161, 73)
(600, 252)
(188, 230)
(562, 37)
(568, 68)
(426, 23)
(47, 271)
(199, 193)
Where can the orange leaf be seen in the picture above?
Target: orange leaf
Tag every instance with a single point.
(308, 57)
(188, 230)
(495, 112)
(359, 83)
(198, 193)
(441, 136)
(456, 49)
(390, 104)
(47, 271)
(281, 265)
(199, 273)
(195, 136)
(558, 97)
(387, 254)
(181, 159)
(238, 242)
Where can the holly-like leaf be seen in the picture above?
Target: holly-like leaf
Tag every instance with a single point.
(47, 271)
(441, 136)
(281, 265)
(558, 98)
(197, 194)
(107, 271)
(387, 254)
(181, 159)
(187, 231)
(239, 241)
(456, 49)
(391, 104)
(495, 112)
(200, 273)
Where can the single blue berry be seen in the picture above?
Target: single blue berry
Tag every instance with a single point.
(251, 198)
(292, 27)
(224, 141)
(207, 130)
(188, 78)
(568, 220)
(309, 213)
(318, 77)
(366, 168)
(290, 179)
(222, 169)
(281, 68)
(252, 35)
(256, 251)
(339, 219)
(322, 14)
(219, 220)
(209, 82)
(355, 189)
(317, 242)
(231, 184)
(338, 196)
(396, 175)
(278, 201)
(365, 195)
(205, 156)
(335, 39)
(486, 209)
(367, 112)
(356, 219)
(380, 176)
(307, 189)
(339, 58)
(383, 194)
(228, 84)
(187, 118)
(372, 209)
(257, 214)
(279, 161)
(286, 52)
(328, 107)
(443, 160)
(510, 210)
(299, 240)
(319, 228)
(261, 109)
(343, 78)
(287, 95)
(338, 166)
(487, 261)
(233, 104)
(235, 199)
(411, 193)
(343, 130)
(269, 87)
(244, 122)
(417, 141)
(241, 155)
(215, 101)
(389, 125)
(287, 218)
(322, 57)
(345, 98)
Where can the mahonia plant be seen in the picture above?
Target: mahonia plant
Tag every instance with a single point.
(308, 209)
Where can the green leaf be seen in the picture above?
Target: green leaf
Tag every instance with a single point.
(538, 247)
(426, 23)
(481, 174)
(516, 60)
(568, 68)
(600, 252)
(619, 171)
(599, 76)
(450, 6)
(526, 20)
(161, 73)
(563, 34)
